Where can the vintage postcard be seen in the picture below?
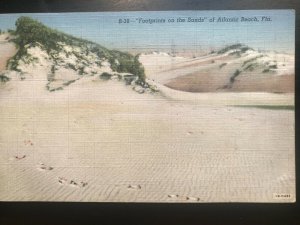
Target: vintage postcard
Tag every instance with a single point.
(170, 106)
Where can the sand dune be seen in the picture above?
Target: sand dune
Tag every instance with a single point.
(100, 141)
(256, 72)
(7, 50)
(207, 82)
(68, 135)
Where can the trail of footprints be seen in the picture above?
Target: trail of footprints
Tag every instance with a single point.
(63, 180)
(81, 184)
(173, 197)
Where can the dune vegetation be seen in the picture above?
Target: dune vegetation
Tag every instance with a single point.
(31, 33)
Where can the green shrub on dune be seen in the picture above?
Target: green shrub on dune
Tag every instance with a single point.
(105, 76)
(126, 63)
(237, 48)
(4, 78)
(235, 74)
(30, 33)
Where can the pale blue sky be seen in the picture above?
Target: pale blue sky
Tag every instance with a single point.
(103, 28)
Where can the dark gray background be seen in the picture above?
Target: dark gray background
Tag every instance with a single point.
(156, 214)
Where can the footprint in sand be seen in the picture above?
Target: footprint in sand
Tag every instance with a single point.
(62, 180)
(177, 197)
(194, 199)
(43, 167)
(173, 196)
(184, 198)
(83, 184)
(19, 157)
(28, 142)
(189, 132)
(72, 183)
(134, 187)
